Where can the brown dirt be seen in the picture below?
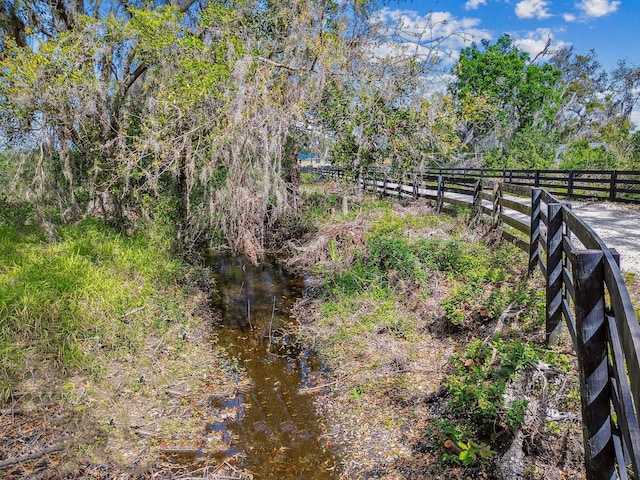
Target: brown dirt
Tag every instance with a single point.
(146, 417)
(383, 394)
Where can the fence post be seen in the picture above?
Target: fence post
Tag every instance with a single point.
(570, 183)
(496, 207)
(534, 247)
(477, 190)
(439, 193)
(384, 185)
(613, 186)
(414, 180)
(477, 200)
(595, 388)
(554, 272)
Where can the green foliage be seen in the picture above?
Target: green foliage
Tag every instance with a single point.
(477, 273)
(515, 414)
(452, 256)
(480, 277)
(477, 386)
(388, 254)
(93, 293)
(581, 155)
(353, 281)
(455, 446)
(471, 452)
(318, 206)
(530, 148)
(508, 103)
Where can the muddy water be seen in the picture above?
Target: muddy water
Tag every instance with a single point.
(274, 426)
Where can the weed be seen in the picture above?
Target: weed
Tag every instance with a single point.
(356, 392)
(318, 206)
(477, 387)
(356, 280)
(455, 446)
(93, 293)
(334, 252)
(554, 427)
(472, 452)
(388, 254)
(515, 414)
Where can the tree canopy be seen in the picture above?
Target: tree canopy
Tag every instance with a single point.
(194, 112)
(516, 112)
(504, 100)
(201, 105)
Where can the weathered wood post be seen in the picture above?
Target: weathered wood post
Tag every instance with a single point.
(384, 185)
(477, 200)
(613, 186)
(595, 387)
(496, 206)
(570, 183)
(477, 194)
(414, 181)
(566, 261)
(439, 193)
(534, 239)
(554, 272)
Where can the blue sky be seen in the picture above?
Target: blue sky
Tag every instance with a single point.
(610, 27)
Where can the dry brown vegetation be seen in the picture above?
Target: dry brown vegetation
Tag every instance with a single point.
(390, 348)
(145, 417)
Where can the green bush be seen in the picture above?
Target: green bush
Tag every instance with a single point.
(395, 254)
(481, 373)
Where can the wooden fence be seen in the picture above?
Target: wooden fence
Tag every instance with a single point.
(612, 185)
(584, 286)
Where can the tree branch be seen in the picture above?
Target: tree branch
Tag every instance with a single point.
(32, 456)
(282, 65)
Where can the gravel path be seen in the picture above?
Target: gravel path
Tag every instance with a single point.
(618, 226)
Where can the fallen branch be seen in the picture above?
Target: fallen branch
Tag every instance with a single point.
(312, 390)
(132, 312)
(32, 456)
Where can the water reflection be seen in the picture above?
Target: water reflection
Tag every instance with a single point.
(274, 425)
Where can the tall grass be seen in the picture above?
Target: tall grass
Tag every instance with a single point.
(65, 305)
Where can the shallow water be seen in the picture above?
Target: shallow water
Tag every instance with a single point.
(272, 423)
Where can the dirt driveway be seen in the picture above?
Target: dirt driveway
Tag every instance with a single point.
(618, 226)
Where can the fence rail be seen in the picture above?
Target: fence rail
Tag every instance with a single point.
(613, 185)
(584, 287)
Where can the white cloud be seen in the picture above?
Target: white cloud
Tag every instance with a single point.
(474, 4)
(569, 17)
(635, 118)
(598, 8)
(439, 34)
(532, 9)
(534, 42)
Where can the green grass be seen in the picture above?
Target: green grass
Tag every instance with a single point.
(92, 294)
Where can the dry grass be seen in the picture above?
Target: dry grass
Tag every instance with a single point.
(388, 353)
(342, 238)
(121, 425)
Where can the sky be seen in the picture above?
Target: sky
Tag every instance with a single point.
(610, 27)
